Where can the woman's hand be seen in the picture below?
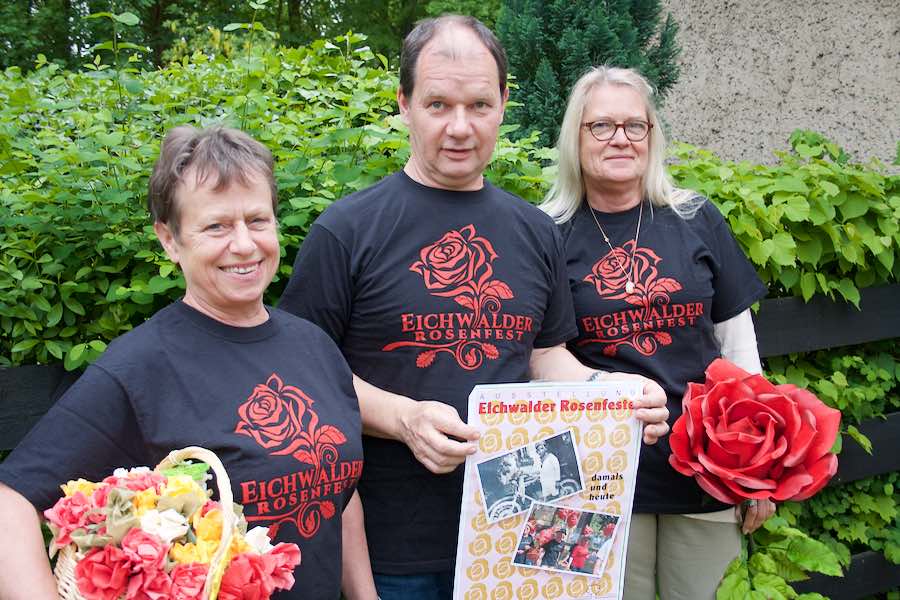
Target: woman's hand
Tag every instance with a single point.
(756, 514)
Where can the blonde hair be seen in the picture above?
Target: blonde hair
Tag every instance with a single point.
(567, 192)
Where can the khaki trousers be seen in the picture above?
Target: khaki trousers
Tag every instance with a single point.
(680, 557)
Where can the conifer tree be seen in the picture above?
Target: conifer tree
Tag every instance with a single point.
(551, 43)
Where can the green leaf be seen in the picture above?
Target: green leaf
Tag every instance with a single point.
(127, 18)
(55, 314)
(855, 206)
(807, 285)
(234, 26)
(783, 249)
(734, 587)
(829, 188)
(810, 251)
(860, 438)
(849, 291)
(813, 555)
(25, 345)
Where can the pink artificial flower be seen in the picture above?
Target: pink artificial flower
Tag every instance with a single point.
(144, 481)
(101, 494)
(149, 585)
(146, 551)
(103, 573)
(282, 559)
(210, 505)
(246, 578)
(69, 514)
(188, 581)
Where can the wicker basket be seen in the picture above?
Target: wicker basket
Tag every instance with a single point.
(69, 556)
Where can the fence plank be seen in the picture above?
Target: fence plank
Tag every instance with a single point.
(785, 325)
(855, 463)
(869, 573)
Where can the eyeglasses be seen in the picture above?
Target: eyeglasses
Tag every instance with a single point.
(605, 130)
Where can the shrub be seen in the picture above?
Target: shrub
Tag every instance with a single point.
(79, 264)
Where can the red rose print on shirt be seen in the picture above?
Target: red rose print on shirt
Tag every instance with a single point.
(458, 266)
(608, 275)
(280, 418)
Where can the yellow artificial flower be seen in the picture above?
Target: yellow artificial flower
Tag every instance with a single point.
(81, 485)
(238, 546)
(201, 552)
(208, 527)
(144, 501)
(176, 485)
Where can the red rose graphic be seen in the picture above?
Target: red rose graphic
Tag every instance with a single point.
(611, 273)
(741, 437)
(272, 415)
(458, 262)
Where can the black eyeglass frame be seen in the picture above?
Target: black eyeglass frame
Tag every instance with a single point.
(590, 127)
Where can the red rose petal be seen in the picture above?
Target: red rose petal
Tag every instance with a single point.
(821, 471)
(792, 481)
(828, 422)
(715, 489)
(731, 475)
(801, 442)
(720, 369)
(759, 384)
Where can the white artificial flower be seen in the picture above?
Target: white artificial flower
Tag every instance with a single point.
(258, 538)
(167, 525)
(122, 472)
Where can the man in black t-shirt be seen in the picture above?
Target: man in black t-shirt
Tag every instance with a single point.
(430, 282)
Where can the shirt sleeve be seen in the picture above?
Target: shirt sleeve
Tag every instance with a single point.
(558, 325)
(736, 286)
(88, 433)
(320, 289)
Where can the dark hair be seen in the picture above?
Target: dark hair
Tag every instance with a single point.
(227, 154)
(424, 32)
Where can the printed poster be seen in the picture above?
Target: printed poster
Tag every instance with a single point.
(547, 498)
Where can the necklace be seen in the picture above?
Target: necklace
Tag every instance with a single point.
(629, 276)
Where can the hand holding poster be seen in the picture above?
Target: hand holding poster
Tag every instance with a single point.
(547, 498)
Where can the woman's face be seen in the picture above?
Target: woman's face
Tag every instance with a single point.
(616, 163)
(227, 248)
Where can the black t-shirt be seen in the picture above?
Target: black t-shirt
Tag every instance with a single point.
(688, 275)
(253, 395)
(429, 292)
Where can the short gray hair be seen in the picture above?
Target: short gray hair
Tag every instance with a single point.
(228, 155)
(567, 192)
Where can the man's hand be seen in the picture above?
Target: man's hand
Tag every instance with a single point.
(429, 429)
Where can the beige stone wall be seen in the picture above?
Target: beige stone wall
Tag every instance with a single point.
(755, 70)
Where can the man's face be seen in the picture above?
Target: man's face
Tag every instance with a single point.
(454, 113)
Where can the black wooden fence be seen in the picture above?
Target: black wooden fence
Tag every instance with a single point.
(783, 326)
(787, 325)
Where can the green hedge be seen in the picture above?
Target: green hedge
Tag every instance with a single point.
(79, 264)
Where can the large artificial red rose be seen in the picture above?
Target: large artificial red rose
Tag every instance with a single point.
(273, 414)
(741, 437)
(458, 262)
(611, 273)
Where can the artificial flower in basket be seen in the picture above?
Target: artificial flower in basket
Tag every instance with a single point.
(743, 438)
(153, 535)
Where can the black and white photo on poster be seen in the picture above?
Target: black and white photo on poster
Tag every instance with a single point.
(543, 471)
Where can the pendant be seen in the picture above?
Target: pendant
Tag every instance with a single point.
(629, 287)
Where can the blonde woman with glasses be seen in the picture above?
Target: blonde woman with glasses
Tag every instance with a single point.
(661, 289)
